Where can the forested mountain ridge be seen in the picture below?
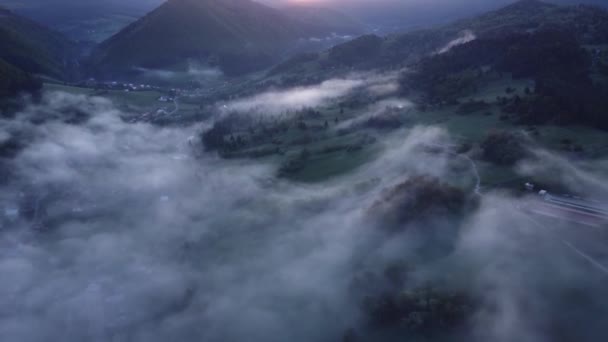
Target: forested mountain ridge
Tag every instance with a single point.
(33, 47)
(588, 23)
(13, 81)
(235, 35)
(29, 49)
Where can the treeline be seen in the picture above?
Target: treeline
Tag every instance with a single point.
(14, 81)
(418, 199)
(237, 131)
(564, 91)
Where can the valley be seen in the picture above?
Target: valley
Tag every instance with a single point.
(229, 171)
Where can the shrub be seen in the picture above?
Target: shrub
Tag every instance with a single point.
(423, 309)
(503, 148)
(418, 198)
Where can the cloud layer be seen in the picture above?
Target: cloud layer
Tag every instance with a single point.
(126, 232)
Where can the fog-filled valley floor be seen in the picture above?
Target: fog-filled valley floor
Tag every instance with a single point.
(128, 231)
(226, 171)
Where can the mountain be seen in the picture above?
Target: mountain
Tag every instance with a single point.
(589, 24)
(53, 13)
(83, 20)
(559, 52)
(567, 80)
(236, 35)
(33, 48)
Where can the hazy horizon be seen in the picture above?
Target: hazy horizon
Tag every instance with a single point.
(389, 14)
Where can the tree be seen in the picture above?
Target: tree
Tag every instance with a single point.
(503, 148)
(418, 199)
(14, 81)
(214, 138)
(305, 154)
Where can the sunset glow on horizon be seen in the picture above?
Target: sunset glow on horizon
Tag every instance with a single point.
(305, 2)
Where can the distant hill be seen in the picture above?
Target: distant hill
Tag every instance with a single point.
(54, 13)
(559, 51)
(32, 47)
(236, 35)
(83, 20)
(589, 24)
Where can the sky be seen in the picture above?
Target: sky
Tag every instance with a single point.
(401, 13)
(395, 15)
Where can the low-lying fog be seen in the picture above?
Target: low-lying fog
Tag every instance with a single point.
(114, 231)
(191, 73)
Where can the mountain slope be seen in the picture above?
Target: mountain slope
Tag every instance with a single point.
(236, 35)
(14, 81)
(587, 22)
(80, 20)
(566, 81)
(32, 47)
(54, 13)
(589, 25)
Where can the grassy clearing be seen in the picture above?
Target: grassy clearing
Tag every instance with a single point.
(594, 142)
(67, 89)
(581, 142)
(135, 101)
(136, 104)
(491, 91)
(330, 155)
(323, 167)
(471, 127)
(474, 126)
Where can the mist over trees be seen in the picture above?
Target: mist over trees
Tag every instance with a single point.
(385, 189)
(14, 81)
(232, 251)
(564, 92)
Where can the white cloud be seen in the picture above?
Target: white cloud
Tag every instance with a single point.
(165, 248)
(466, 36)
(278, 101)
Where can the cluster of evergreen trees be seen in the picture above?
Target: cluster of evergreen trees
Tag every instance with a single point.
(14, 81)
(561, 68)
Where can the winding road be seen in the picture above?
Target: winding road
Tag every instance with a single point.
(589, 242)
(477, 189)
(176, 103)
